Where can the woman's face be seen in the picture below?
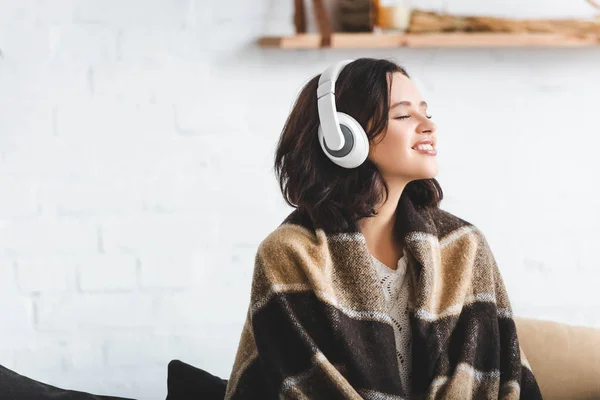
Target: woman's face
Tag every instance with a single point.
(395, 152)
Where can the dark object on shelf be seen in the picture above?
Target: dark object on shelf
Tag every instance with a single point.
(356, 15)
(346, 15)
(185, 382)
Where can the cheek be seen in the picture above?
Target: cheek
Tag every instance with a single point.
(391, 151)
(395, 142)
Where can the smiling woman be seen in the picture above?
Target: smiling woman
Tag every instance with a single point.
(368, 290)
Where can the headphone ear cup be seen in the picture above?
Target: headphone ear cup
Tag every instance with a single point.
(356, 143)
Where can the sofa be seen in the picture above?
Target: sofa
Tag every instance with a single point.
(564, 358)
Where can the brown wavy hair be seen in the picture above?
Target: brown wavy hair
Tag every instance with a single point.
(335, 197)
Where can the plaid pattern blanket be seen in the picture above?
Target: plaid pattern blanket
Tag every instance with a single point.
(317, 327)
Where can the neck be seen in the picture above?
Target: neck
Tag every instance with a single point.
(380, 228)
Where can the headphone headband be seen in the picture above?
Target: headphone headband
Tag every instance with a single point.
(328, 78)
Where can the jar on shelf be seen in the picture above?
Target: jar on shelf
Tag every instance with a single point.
(356, 15)
(393, 15)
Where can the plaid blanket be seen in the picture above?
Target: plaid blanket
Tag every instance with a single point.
(317, 326)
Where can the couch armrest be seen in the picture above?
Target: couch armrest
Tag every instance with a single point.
(565, 359)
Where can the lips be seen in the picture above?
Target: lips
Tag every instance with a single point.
(423, 142)
(425, 147)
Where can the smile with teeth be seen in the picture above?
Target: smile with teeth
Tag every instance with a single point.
(424, 147)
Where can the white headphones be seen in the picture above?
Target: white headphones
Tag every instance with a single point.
(341, 137)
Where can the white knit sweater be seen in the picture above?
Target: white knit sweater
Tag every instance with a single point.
(396, 289)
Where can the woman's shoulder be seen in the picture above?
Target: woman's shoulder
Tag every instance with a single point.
(292, 238)
(290, 254)
(448, 224)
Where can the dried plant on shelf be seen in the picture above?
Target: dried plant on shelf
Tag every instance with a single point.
(427, 22)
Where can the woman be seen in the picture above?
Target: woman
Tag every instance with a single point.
(368, 289)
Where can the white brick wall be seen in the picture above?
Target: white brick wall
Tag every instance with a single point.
(136, 142)
(105, 273)
(45, 274)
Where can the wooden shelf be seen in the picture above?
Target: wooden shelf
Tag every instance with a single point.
(386, 40)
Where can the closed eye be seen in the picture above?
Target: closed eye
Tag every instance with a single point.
(408, 116)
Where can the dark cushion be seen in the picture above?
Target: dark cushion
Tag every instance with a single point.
(186, 382)
(18, 387)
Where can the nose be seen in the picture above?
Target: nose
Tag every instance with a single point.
(427, 126)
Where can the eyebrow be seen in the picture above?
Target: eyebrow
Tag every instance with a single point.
(407, 103)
